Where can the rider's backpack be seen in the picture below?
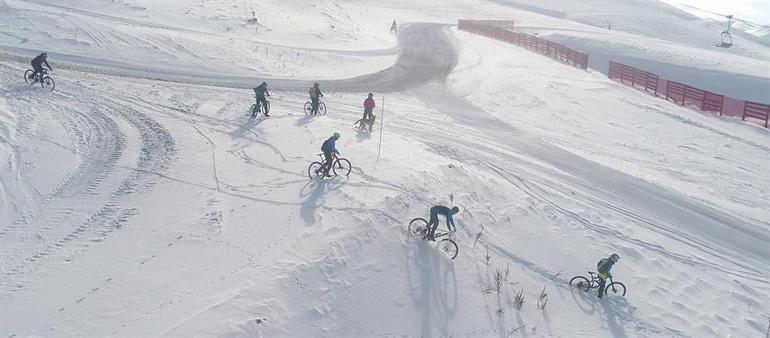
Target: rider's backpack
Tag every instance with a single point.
(312, 92)
(601, 262)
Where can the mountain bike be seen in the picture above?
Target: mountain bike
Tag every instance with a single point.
(447, 246)
(583, 283)
(341, 167)
(42, 77)
(257, 108)
(309, 108)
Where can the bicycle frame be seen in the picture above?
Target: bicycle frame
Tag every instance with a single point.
(442, 234)
(39, 76)
(323, 159)
(256, 99)
(595, 280)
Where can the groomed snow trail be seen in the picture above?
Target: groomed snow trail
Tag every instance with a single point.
(110, 150)
(136, 207)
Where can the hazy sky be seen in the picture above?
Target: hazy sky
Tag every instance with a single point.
(752, 10)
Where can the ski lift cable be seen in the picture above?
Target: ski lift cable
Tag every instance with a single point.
(727, 16)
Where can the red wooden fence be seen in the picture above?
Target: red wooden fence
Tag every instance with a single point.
(499, 30)
(684, 94)
(633, 76)
(757, 111)
(674, 91)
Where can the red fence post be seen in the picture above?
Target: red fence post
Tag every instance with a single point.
(757, 111)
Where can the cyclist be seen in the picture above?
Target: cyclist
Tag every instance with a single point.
(37, 64)
(329, 148)
(261, 91)
(603, 268)
(433, 223)
(368, 118)
(393, 27)
(315, 97)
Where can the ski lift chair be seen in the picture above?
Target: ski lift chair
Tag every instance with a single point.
(726, 40)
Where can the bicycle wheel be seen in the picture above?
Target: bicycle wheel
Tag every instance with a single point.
(308, 108)
(28, 76)
(617, 289)
(341, 167)
(448, 247)
(322, 108)
(315, 170)
(266, 108)
(48, 83)
(418, 226)
(253, 110)
(580, 282)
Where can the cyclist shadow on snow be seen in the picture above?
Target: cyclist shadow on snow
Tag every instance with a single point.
(245, 127)
(363, 135)
(312, 193)
(304, 120)
(432, 285)
(616, 310)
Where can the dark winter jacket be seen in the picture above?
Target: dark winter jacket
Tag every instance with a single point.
(261, 90)
(330, 146)
(605, 265)
(442, 210)
(40, 60)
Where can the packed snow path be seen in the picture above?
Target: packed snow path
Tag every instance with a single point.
(425, 53)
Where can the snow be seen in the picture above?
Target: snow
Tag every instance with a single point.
(659, 39)
(752, 10)
(137, 207)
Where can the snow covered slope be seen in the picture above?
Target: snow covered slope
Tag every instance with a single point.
(133, 207)
(657, 38)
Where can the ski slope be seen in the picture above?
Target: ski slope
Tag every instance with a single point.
(137, 207)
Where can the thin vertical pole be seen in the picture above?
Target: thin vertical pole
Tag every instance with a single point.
(382, 123)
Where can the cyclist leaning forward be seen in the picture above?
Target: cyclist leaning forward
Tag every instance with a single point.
(603, 268)
(433, 223)
(37, 64)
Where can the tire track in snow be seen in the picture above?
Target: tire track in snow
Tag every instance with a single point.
(99, 144)
(156, 152)
(534, 189)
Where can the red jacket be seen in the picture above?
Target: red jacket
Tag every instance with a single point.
(369, 105)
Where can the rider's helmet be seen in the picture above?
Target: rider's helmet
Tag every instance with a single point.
(615, 257)
(455, 210)
(44, 54)
(316, 84)
(264, 83)
(370, 94)
(337, 136)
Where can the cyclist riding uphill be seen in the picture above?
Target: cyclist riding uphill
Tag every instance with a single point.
(261, 91)
(603, 267)
(37, 64)
(329, 148)
(315, 97)
(433, 223)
